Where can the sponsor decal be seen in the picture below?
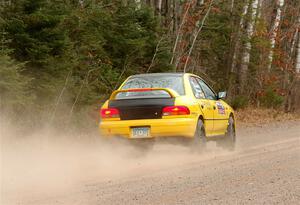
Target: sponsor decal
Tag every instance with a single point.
(221, 108)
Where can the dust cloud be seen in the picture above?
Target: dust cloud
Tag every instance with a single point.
(47, 162)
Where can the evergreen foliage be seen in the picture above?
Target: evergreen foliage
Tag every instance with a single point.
(76, 53)
(15, 91)
(87, 49)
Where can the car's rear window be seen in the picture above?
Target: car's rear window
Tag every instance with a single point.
(153, 81)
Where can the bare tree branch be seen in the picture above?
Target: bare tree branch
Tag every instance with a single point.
(157, 48)
(155, 53)
(85, 82)
(60, 96)
(196, 35)
(178, 36)
(122, 73)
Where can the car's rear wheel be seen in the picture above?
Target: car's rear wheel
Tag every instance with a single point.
(199, 142)
(230, 137)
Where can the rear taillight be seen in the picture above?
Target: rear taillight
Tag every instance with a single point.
(175, 110)
(109, 113)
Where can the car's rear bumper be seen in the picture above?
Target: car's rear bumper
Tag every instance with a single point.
(184, 127)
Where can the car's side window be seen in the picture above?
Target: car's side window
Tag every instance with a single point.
(198, 92)
(209, 94)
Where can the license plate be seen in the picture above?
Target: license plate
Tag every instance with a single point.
(140, 132)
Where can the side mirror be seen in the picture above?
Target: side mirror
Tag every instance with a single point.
(222, 95)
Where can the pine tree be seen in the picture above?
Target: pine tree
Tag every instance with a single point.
(15, 92)
(38, 41)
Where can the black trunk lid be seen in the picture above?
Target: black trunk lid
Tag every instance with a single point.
(135, 109)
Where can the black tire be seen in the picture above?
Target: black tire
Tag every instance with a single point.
(230, 137)
(199, 142)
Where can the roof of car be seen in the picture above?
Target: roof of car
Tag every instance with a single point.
(158, 74)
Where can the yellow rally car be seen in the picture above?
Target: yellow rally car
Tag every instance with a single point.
(168, 105)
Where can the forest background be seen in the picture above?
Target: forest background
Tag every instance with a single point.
(60, 59)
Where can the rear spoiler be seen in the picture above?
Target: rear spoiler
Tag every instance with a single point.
(171, 92)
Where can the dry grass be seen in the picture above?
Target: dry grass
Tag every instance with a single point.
(259, 116)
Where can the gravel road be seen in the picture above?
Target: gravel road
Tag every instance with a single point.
(264, 169)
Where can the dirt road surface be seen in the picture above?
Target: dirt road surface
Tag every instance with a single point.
(264, 169)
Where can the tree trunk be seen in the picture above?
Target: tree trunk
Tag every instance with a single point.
(260, 3)
(288, 82)
(231, 6)
(298, 55)
(175, 15)
(243, 74)
(274, 30)
(158, 6)
(238, 40)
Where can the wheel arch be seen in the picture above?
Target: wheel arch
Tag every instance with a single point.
(203, 121)
(201, 118)
(234, 120)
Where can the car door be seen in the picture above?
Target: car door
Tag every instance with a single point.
(219, 111)
(205, 104)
